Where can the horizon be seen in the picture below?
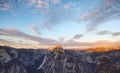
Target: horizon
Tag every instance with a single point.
(97, 49)
(70, 23)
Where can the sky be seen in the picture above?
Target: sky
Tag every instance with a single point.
(70, 23)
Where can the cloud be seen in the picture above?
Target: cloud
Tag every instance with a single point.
(4, 42)
(4, 5)
(77, 36)
(51, 23)
(55, 17)
(116, 34)
(88, 16)
(19, 34)
(55, 1)
(105, 32)
(62, 39)
(66, 6)
(45, 11)
(73, 43)
(35, 30)
(39, 3)
(105, 12)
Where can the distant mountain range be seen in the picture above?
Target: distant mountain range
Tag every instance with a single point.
(57, 60)
(103, 49)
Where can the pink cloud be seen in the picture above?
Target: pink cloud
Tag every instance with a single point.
(73, 43)
(93, 13)
(66, 6)
(35, 30)
(5, 6)
(39, 3)
(11, 32)
(19, 34)
(55, 1)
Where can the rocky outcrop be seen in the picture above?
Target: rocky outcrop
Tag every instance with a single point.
(55, 60)
(15, 66)
(58, 61)
(4, 57)
(9, 62)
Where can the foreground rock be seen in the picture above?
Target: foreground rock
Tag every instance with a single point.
(9, 62)
(15, 66)
(58, 61)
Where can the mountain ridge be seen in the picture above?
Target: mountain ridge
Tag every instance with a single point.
(57, 60)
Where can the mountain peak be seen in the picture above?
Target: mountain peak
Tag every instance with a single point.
(57, 48)
(103, 49)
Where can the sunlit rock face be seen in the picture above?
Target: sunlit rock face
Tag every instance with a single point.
(58, 61)
(57, 48)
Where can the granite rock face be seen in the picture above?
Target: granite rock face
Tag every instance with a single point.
(58, 61)
(9, 62)
(15, 66)
(4, 57)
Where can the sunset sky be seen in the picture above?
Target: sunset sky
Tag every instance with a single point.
(71, 23)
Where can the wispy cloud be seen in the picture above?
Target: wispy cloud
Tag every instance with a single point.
(11, 32)
(4, 5)
(20, 34)
(45, 11)
(116, 34)
(89, 15)
(73, 43)
(51, 22)
(77, 36)
(55, 17)
(35, 30)
(110, 9)
(4, 42)
(105, 32)
(55, 1)
(68, 5)
(39, 3)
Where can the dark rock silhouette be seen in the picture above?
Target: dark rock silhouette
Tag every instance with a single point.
(15, 66)
(9, 62)
(105, 65)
